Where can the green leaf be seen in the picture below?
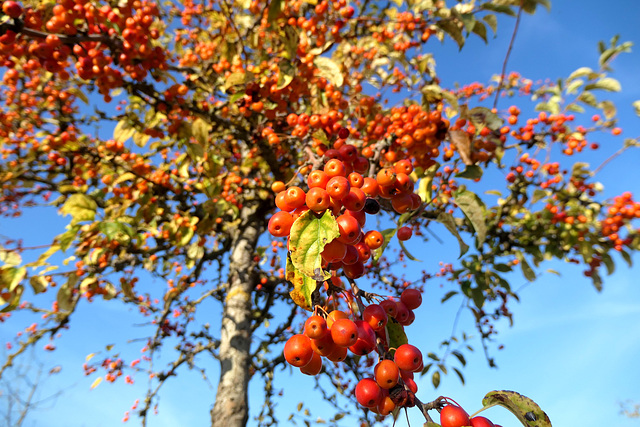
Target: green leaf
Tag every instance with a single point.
(588, 98)
(234, 79)
(435, 379)
(308, 237)
(123, 130)
(453, 30)
(573, 86)
(11, 277)
(457, 371)
(529, 6)
(608, 109)
(118, 231)
(10, 258)
(81, 208)
(396, 334)
(608, 262)
(290, 39)
(498, 8)
(432, 93)
(460, 357)
(481, 30)
(474, 209)
(582, 72)
(448, 295)
(66, 239)
(606, 83)
(286, 74)
(275, 7)
(575, 108)
(13, 299)
(503, 268)
(328, 69)
(597, 280)
(626, 257)
(527, 271)
(469, 22)
(482, 116)
(387, 234)
(406, 252)
(520, 406)
(80, 94)
(491, 21)
(140, 139)
(65, 293)
(200, 131)
(449, 222)
(39, 284)
(477, 295)
(424, 187)
(470, 172)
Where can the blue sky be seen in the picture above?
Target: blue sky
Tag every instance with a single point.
(572, 349)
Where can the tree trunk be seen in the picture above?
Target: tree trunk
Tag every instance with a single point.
(231, 408)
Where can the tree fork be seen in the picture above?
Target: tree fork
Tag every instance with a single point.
(231, 408)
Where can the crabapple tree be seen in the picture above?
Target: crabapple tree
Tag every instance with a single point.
(278, 158)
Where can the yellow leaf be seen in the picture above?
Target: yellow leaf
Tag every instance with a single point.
(89, 357)
(123, 131)
(329, 70)
(96, 383)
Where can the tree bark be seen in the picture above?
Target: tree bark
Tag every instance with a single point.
(231, 408)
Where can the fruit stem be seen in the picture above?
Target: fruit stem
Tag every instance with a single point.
(482, 409)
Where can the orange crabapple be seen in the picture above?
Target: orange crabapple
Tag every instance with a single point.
(387, 373)
(368, 393)
(280, 224)
(344, 332)
(314, 366)
(375, 316)
(315, 327)
(318, 200)
(298, 351)
(408, 357)
(366, 341)
(412, 298)
(373, 239)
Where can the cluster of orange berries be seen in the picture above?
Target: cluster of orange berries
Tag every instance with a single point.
(623, 210)
(332, 337)
(341, 188)
(134, 52)
(418, 133)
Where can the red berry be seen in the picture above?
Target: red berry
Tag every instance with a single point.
(12, 9)
(315, 327)
(368, 393)
(404, 233)
(408, 357)
(412, 298)
(366, 341)
(280, 224)
(314, 366)
(481, 422)
(344, 332)
(454, 416)
(375, 316)
(387, 374)
(343, 133)
(298, 351)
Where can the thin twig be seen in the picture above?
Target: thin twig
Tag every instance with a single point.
(506, 58)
